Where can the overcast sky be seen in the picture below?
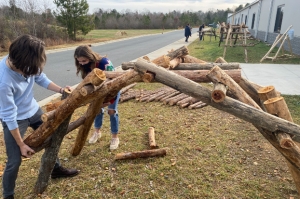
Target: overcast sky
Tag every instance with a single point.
(165, 5)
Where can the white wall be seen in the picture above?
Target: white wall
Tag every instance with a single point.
(291, 16)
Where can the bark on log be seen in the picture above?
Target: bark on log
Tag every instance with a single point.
(193, 101)
(220, 60)
(277, 106)
(170, 95)
(50, 155)
(164, 95)
(177, 99)
(206, 66)
(175, 62)
(219, 92)
(218, 75)
(74, 100)
(195, 75)
(163, 61)
(84, 129)
(141, 154)
(199, 104)
(158, 94)
(125, 89)
(258, 118)
(180, 52)
(128, 65)
(151, 135)
(166, 101)
(191, 59)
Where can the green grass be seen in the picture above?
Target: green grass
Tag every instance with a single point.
(209, 50)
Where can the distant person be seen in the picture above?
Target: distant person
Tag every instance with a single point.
(201, 31)
(187, 32)
(19, 71)
(86, 60)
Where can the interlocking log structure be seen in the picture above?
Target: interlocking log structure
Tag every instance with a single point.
(246, 101)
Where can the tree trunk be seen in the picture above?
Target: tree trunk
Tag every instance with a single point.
(163, 61)
(191, 59)
(141, 154)
(206, 66)
(180, 52)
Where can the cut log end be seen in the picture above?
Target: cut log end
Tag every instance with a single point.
(266, 89)
(101, 77)
(273, 100)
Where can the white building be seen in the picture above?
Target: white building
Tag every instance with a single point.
(268, 18)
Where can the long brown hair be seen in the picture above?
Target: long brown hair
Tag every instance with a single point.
(85, 51)
(27, 53)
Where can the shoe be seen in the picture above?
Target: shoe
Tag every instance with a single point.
(62, 172)
(94, 137)
(114, 143)
(10, 197)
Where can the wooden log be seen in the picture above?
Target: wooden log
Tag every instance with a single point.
(219, 92)
(267, 92)
(151, 135)
(277, 106)
(141, 154)
(195, 75)
(177, 99)
(84, 129)
(191, 59)
(173, 98)
(180, 52)
(146, 58)
(128, 97)
(218, 75)
(197, 104)
(257, 117)
(220, 60)
(159, 93)
(163, 61)
(128, 65)
(192, 101)
(158, 98)
(125, 89)
(169, 96)
(50, 155)
(185, 100)
(206, 66)
(75, 99)
(109, 89)
(175, 62)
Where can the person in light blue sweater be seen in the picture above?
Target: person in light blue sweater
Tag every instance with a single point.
(18, 109)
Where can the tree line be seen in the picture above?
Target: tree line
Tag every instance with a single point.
(70, 20)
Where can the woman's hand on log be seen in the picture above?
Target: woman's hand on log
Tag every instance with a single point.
(26, 151)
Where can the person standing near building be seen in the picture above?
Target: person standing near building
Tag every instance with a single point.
(187, 32)
(86, 60)
(18, 109)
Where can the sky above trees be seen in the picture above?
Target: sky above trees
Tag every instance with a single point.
(165, 6)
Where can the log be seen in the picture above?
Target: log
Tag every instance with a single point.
(257, 117)
(206, 66)
(158, 94)
(84, 129)
(141, 154)
(191, 59)
(163, 61)
(158, 98)
(219, 92)
(195, 75)
(199, 104)
(192, 101)
(277, 106)
(267, 92)
(175, 62)
(169, 96)
(180, 52)
(166, 101)
(218, 75)
(125, 89)
(74, 100)
(128, 65)
(220, 60)
(151, 135)
(109, 89)
(177, 99)
(51, 151)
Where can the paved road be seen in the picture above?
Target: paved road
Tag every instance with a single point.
(60, 66)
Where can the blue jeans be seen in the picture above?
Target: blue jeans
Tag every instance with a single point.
(14, 154)
(114, 119)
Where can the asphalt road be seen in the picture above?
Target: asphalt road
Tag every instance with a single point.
(60, 66)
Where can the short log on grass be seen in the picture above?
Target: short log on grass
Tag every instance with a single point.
(141, 154)
(151, 135)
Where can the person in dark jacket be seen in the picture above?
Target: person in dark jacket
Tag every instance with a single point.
(201, 32)
(187, 32)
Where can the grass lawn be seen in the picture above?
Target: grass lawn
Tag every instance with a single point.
(211, 154)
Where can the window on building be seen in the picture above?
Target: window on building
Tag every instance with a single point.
(279, 17)
(246, 20)
(253, 20)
